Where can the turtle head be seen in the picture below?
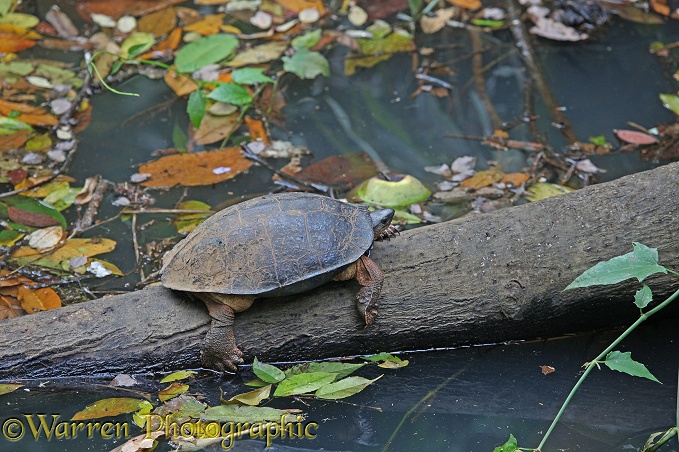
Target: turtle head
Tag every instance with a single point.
(381, 220)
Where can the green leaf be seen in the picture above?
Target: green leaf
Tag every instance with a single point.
(306, 64)
(383, 356)
(344, 388)
(135, 44)
(643, 297)
(598, 140)
(179, 375)
(109, 407)
(231, 93)
(488, 23)
(239, 413)
(640, 264)
(340, 369)
(670, 101)
(250, 76)
(509, 446)
(195, 107)
(623, 362)
(267, 372)
(9, 126)
(204, 51)
(303, 383)
(307, 40)
(251, 397)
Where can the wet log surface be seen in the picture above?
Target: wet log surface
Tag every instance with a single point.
(479, 279)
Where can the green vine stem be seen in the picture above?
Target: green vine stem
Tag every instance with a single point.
(597, 360)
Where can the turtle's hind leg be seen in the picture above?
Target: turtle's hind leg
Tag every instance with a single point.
(368, 275)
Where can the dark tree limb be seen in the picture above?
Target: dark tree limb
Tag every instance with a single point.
(483, 278)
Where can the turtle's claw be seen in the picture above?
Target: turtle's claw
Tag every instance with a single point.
(221, 359)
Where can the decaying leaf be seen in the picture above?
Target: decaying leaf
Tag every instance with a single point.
(196, 168)
(215, 128)
(35, 300)
(483, 178)
(259, 54)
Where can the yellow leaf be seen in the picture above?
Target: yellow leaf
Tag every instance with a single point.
(180, 84)
(108, 408)
(483, 178)
(209, 25)
(172, 391)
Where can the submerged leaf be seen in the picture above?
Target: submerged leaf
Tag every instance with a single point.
(239, 413)
(253, 397)
(306, 64)
(344, 388)
(109, 407)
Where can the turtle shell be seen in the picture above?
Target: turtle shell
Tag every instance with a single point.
(273, 245)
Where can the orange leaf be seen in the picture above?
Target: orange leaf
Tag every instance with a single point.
(256, 129)
(515, 179)
(180, 84)
(198, 168)
(483, 179)
(34, 300)
(31, 115)
(171, 42)
(7, 280)
(15, 140)
(9, 307)
(209, 25)
(466, 4)
(15, 39)
(298, 5)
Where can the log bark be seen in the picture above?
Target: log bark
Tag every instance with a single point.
(479, 279)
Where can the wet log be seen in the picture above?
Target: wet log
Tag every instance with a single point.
(479, 279)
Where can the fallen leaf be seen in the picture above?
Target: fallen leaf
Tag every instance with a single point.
(45, 239)
(34, 300)
(117, 9)
(546, 370)
(544, 190)
(14, 140)
(9, 308)
(258, 54)
(556, 31)
(61, 23)
(515, 179)
(342, 172)
(483, 178)
(209, 25)
(108, 408)
(158, 23)
(466, 4)
(432, 23)
(194, 169)
(256, 129)
(16, 39)
(299, 5)
(172, 391)
(635, 137)
(30, 115)
(180, 84)
(60, 258)
(215, 128)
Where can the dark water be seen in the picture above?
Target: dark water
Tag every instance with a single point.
(475, 397)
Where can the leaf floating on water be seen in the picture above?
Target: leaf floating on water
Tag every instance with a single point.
(207, 50)
(635, 137)
(109, 407)
(306, 64)
(15, 39)
(303, 383)
(344, 388)
(195, 168)
(259, 54)
(187, 222)
(546, 370)
(267, 372)
(251, 398)
(239, 413)
(172, 391)
(7, 388)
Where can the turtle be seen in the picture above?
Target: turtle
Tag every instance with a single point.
(271, 246)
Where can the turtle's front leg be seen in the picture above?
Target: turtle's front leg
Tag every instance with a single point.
(368, 275)
(219, 350)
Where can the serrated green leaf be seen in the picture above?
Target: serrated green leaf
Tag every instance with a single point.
(640, 263)
(195, 107)
(250, 76)
(251, 397)
(344, 388)
(303, 383)
(623, 362)
(179, 375)
(643, 297)
(509, 446)
(306, 64)
(340, 369)
(204, 51)
(231, 93)
(267, 372)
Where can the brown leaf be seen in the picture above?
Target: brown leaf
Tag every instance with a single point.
(340, 171)
(299, 5)
(515, 179)
(34, 300)
(198, 168)
(15, 140)
(34, 219)
(158, 23)
(117, 9)
(215, 128)
(7, 279)
(61, 23)
(546, 370)
(16, 176)
(209, 25)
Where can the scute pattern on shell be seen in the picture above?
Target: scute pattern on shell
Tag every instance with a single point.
(267, 244)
